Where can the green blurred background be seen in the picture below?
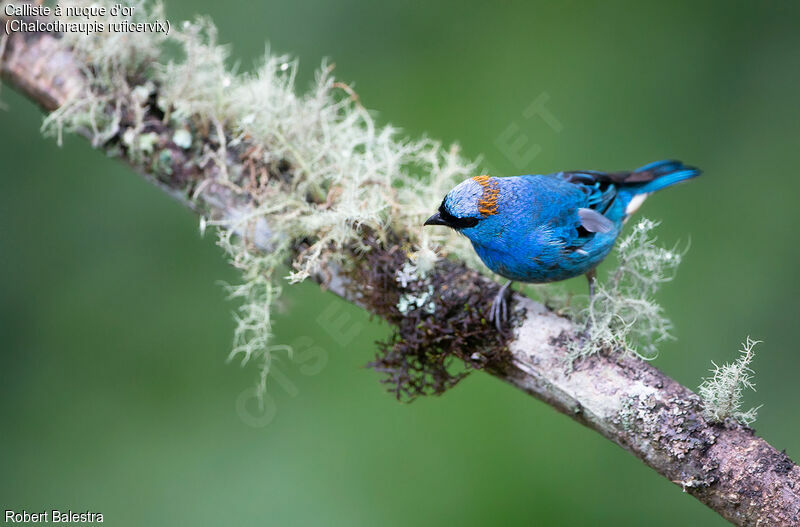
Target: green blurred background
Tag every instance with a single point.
(114, 392)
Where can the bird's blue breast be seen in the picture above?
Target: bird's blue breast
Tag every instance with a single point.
(535, 234)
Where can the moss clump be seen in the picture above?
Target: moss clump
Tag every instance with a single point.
(439, 338)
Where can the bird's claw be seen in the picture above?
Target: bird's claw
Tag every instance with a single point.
(498, 312)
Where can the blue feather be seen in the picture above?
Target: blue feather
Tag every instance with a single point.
(661, 167)
(669, 179)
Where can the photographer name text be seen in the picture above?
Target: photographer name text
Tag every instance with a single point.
(52, 516)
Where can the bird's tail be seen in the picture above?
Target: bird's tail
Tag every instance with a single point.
(637, 185)
(658, 175)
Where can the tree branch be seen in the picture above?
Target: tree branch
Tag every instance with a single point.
(623, 398)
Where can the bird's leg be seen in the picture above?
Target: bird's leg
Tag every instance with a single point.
(498, 313)
(591, 276)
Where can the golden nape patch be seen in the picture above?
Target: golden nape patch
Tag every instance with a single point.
(487, 205)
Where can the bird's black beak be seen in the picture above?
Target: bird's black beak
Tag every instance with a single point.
(436, 219)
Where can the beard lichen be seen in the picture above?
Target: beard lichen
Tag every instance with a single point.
(315, 167)
(723, 392)
(622, 314)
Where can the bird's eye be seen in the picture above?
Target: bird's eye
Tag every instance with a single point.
(454, 221)
(465, 223)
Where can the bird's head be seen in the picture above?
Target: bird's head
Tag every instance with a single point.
(467, 205)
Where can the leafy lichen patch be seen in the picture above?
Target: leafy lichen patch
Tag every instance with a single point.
(676, 424)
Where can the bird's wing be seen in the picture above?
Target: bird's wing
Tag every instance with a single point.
(596, 192)
(599, 188)
(593, 221)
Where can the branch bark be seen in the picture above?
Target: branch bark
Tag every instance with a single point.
(623, 398)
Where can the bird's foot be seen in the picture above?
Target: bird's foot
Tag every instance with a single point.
(498, 313)
(591, 276)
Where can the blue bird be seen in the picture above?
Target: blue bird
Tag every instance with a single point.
(545, 228)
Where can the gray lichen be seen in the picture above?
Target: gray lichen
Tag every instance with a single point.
(723, 391)
(623, 314)
(676, 428)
